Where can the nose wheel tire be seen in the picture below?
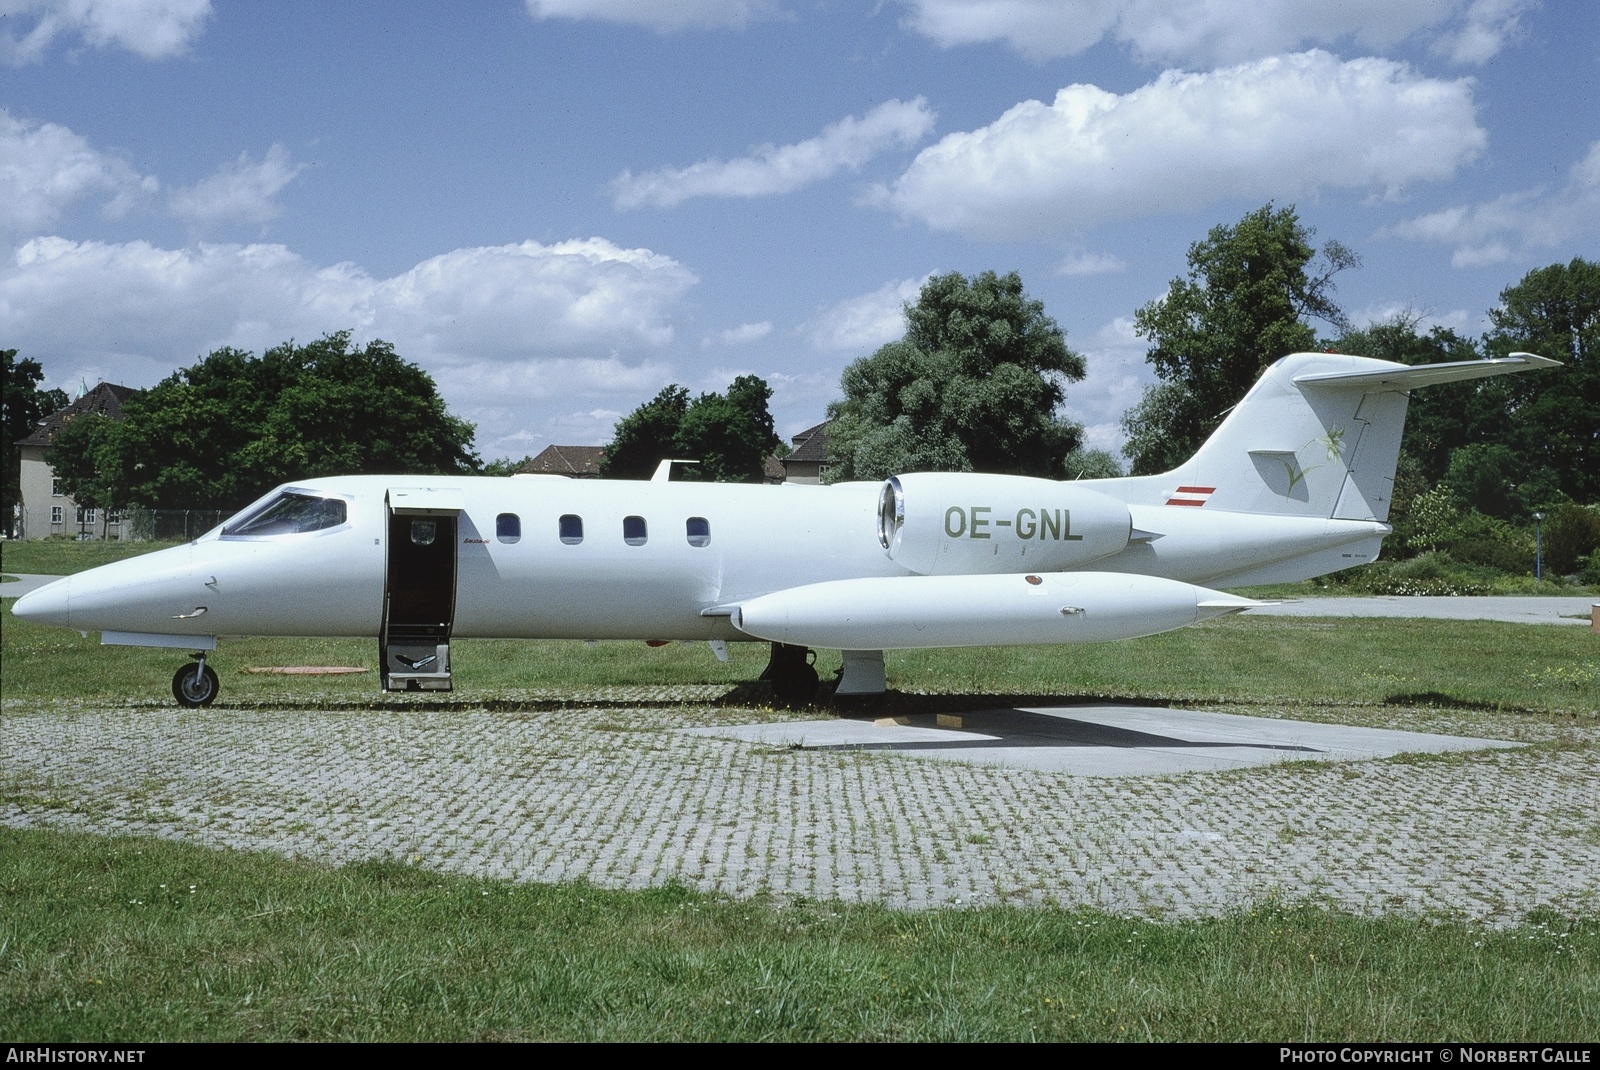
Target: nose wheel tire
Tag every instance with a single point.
(195, 685)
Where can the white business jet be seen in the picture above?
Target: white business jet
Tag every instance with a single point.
(1295, 483)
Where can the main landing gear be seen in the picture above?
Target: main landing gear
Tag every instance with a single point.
(792, 672)
(196, 685)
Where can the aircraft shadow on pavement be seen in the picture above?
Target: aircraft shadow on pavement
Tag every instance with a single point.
(1025, 728)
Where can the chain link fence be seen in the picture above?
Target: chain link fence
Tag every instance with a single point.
(132, 524)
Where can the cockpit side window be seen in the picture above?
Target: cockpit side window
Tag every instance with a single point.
(289, 513)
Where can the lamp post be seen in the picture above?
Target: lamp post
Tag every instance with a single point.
(1538, 547)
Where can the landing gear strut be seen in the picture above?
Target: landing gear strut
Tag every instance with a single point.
(196, 685)
(792, 672)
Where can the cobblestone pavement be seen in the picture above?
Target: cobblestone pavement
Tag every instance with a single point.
(617, 797)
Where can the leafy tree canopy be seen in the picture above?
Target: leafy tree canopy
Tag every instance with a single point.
(973, 386)
(22, 406)
(219, 433)
(1245, 302)
(1552, 417)
(1440, 419)
(1516, 443)
(731, 435)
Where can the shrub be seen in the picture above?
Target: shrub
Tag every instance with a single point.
(1571, 534)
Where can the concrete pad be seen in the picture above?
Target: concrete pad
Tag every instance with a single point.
(23, 582)
(1514, 610)
(1106, 741)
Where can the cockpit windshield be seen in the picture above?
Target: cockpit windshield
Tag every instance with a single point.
(287, 513)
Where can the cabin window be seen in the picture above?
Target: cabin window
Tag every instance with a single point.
(699, 529)
(508, 527)
(288, 513)
(633, 530)
(571, 529)
(423, 532)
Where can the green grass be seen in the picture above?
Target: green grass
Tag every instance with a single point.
(111, 939)
(1275, 660)
(117, 938)
(62, 557)
(1283, 660)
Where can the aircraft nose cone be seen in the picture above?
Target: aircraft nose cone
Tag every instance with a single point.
(50, 604)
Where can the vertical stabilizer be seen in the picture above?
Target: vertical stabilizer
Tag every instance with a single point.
(1317, 436)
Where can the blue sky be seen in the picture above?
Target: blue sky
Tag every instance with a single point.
(557, 207)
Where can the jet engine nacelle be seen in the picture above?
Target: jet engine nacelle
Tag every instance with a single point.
(950, 523)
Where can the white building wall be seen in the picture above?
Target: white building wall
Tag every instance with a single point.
(46, 512)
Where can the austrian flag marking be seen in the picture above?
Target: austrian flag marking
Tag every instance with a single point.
(1191, 495)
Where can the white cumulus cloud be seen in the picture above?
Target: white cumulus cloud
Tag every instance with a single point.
(1207, 32)
(1515, 225)
(770, 169)
(865, 322)
(585, 299)
(240, 191)
(741, 335)
(1279, 127)
(1484, 29)
(153, 29)
(45, 168)
(1116, 375)
(663, 16)
(1082, 262)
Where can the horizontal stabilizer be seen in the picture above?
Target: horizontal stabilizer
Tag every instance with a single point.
(1415, 376)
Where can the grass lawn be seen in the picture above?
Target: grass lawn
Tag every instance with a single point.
(131, 939)
(62, 557)
(122, 939)
(1283, 660)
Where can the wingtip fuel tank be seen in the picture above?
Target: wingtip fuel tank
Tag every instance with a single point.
(916, 612)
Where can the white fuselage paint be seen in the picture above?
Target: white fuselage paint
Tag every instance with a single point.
(763, 539)
(1295, 483)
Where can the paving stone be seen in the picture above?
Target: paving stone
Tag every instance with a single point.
(552, 796)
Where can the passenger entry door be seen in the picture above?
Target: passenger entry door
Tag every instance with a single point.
(419, 598)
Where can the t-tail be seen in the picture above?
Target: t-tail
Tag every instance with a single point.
(1318, 438)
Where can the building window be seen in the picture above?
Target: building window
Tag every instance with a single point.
(508, 527)
(85, 516)
(633, 530)
(571, 529)
(55, 487)
(56, 514)
(699, 530)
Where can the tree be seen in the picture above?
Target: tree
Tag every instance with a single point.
(1092, 464)
(22, 406)
(972, 387)
(646, 436)
(217, 434)
(730, 435)
(1244, 304)
(1440, 419)
(1552, 417)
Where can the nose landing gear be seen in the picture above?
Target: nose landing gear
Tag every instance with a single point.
(196, 685)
